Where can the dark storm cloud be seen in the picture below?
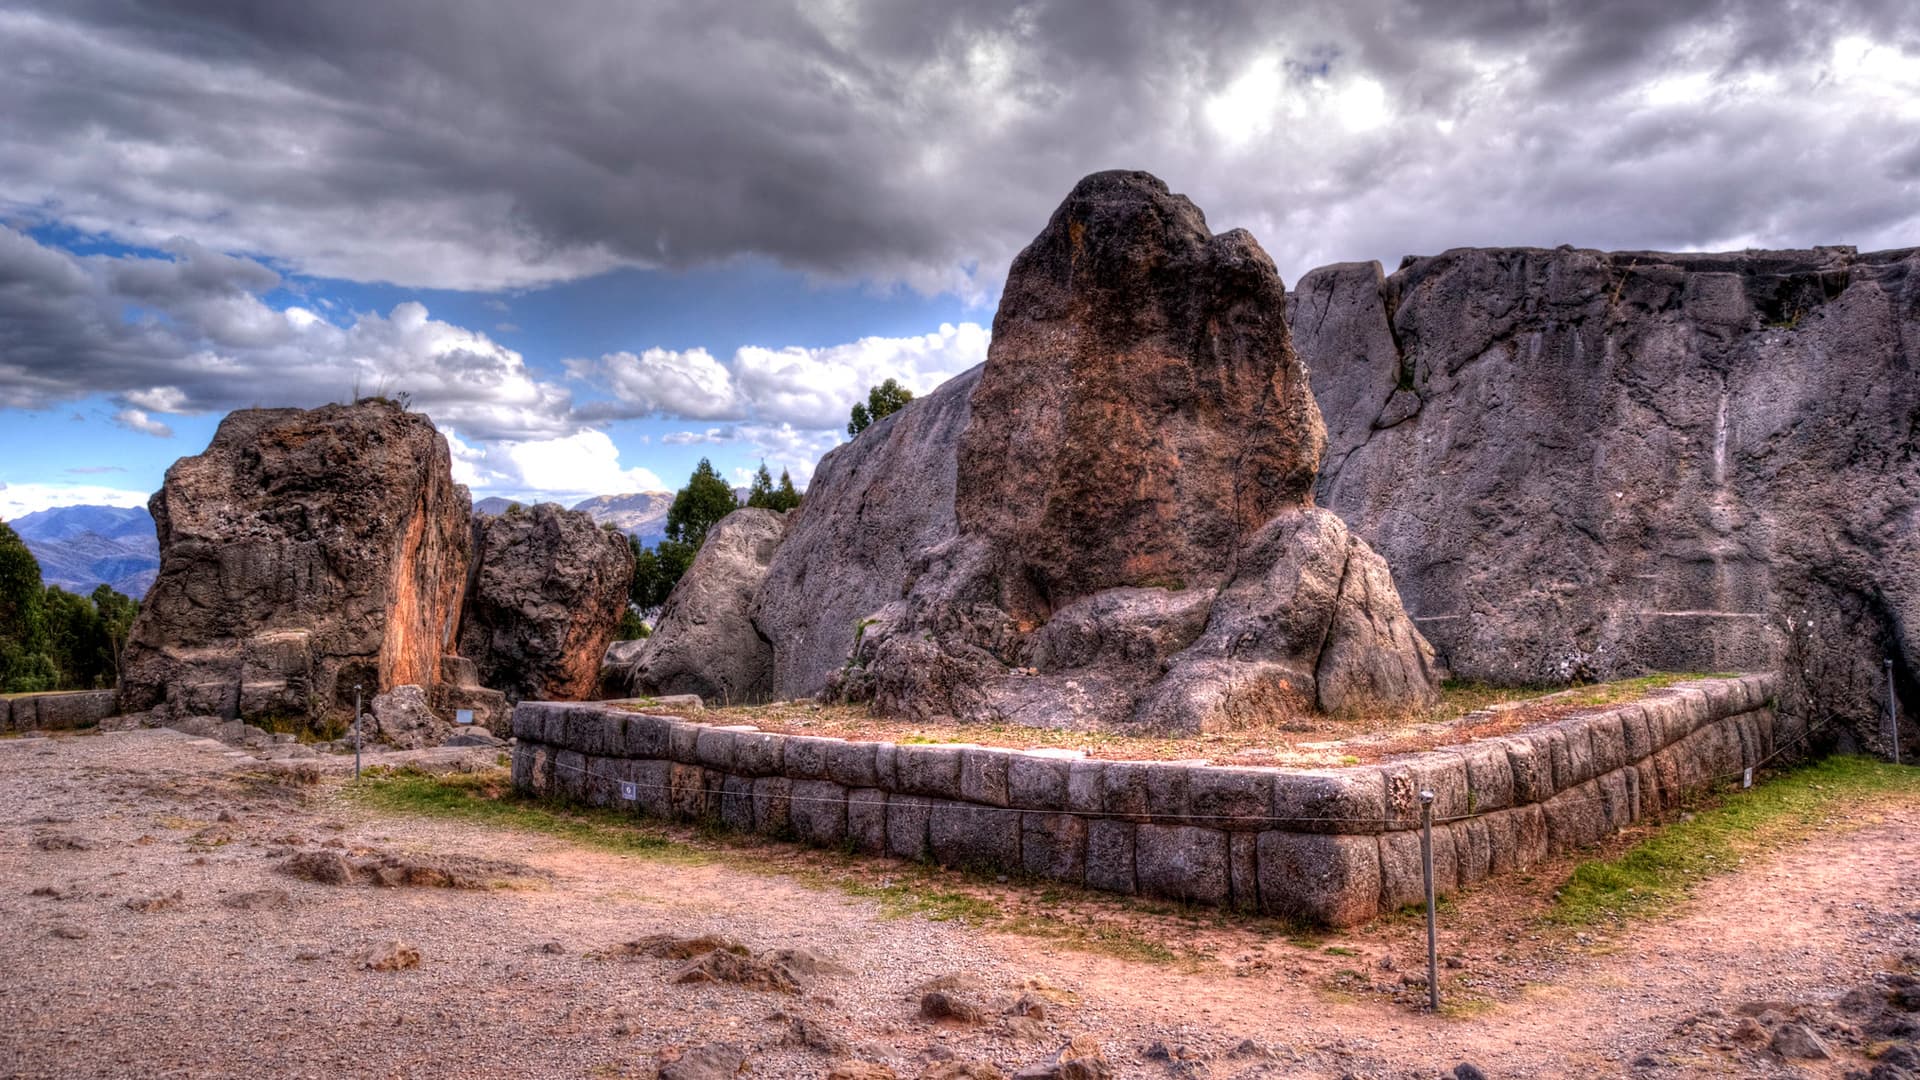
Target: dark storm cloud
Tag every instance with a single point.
(484, 145)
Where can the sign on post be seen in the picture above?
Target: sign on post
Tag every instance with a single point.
(629, 791)
(463, 716)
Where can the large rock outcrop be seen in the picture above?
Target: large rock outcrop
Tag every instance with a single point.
(872, 507)
(1111, 522)
(704, 641)
(549, 588)
(1586, 465)
(1135, 541)
(303, 553)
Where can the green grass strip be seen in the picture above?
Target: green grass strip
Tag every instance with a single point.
(1661, 871)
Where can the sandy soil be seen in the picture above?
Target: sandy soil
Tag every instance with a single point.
(143, 935)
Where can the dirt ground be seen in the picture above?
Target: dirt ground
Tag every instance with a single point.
(148, 928)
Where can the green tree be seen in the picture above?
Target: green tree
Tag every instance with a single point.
(24, 665)
(765, 495)
(116, 622)
(882, 401)
(699, 506)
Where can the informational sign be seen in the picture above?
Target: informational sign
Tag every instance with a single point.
(629, 791)
(463, 716)
(1746, 779)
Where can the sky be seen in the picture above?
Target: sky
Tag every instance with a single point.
(597, 240)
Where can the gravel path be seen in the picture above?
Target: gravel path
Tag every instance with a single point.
(146, 929)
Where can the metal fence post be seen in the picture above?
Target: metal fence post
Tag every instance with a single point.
(356, 731)
(1893, 711)
(1426, 867)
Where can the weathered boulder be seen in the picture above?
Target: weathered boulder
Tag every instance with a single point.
(304, 552)
(873, 506)
(1134, 538)
(1589, 465)
(549, 588)
(704, 641)
(402, 718)
(1110, 522)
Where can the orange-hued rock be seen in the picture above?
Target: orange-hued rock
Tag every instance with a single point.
(302, 553)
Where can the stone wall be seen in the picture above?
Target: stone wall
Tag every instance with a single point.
(1334, 846)
(57, 711)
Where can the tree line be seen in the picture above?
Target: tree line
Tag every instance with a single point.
(51, 639)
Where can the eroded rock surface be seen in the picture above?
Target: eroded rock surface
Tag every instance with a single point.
(1588, 465)
(704, 641)
(302, 552)
(548, 591)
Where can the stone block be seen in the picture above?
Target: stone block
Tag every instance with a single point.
(683, 742)
(649, 736)
(653, 783)
(713, 748)
(1572, 751)
(851, 764)
(867, 821)
(520, 763)
(736, 803)
(927, 770)
(907, 820)
(691, 790)
(759, 753)
(1724, 697)
(569, 775)
(983, 776)
(1636, 735)
(773, 806)
(1575, 818)
(1441, 771)
(1667, 718)
(1402, 880)
(85, 708)
(530, 719)
(1086, 786)
(540, 772)
(1054, 846)
(1608, 742)
(820, 812)
(1167, 790)
(1319, 878)
(968, 835)
(1240, 799)
(1243, 871)
(1333, 800)
(1037, 781)
(1530, 761)
(6, 714)
(1489, 777)
(1473, 849)
(604, 776)
(885, 775)
(806, 756)
(1181, 862)
(1110, 855)
(1123, 789)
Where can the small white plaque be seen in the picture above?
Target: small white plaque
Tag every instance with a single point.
(1746, 779)
(629, 791)
(463, 716)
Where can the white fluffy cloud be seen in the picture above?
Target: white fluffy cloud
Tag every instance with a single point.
(190, 332)
(565, 470)
(804, 388)
(20, 499)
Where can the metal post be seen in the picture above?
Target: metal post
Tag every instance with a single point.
(356, 731)
(1426, 866)
(1893, 711)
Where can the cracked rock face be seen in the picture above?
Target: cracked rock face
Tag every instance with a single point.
(1590, 465)
(704, 641)
(1134, 541)
(304, 551)
(549, 588)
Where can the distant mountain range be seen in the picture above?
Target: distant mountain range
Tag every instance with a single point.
(80, 547)
(641, 515)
